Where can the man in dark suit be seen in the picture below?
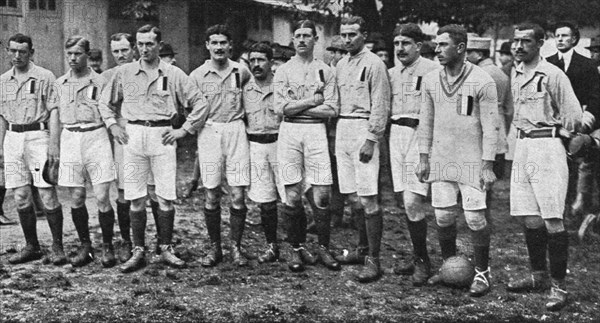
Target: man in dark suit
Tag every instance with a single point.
(585, 80)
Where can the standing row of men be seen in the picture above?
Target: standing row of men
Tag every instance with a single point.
(445, 131)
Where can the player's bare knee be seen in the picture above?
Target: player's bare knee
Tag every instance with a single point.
(49, 198)
(414, 206)
(138, 204)
(164, 204)
(533, 222)
(238, 199)
(322, 195)
(369, 203)
(476, 219)
(445, 217)
(554, 225)
(213, 197)
(23, 197)
(78, 196)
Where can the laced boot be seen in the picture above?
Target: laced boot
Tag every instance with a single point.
(137, 260)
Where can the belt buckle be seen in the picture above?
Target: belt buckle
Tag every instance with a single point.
(147, 123)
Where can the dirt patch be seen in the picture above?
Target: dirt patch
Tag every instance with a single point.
(269, 292)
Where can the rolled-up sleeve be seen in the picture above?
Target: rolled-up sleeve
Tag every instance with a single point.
(489, 118)
(426, 115)
(112, 94)
(281, 91)
(380, 101)
(193, 98)
(566, 102)
(331, 94)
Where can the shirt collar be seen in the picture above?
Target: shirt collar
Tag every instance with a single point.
(566, 55)
(359, 54)
(32, 73)
(410, 68)
(87, 79)
(162, 66)
(232, 67)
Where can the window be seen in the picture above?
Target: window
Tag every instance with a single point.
(8, 3)
(41, 4)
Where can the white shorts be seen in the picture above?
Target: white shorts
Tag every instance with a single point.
(85, 152)
(445, 194)
(404, 160)
(119, 164)
(145, 154)
(265, 184)
(223, 147)
(539, 178)
(303, 154)
(25, 154)
(354, 175)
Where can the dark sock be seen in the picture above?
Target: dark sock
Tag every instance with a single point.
(558, 252)
(107, 224)
(138, 227)
(537, 244)
(374, 224)
(481, 247)
(213, 224)
(268, 219)
(296, 225)
(81, 218)
(418, 236)
(166, 221)
(124, 221)
(447, 239)
(323, 223)
(237, 220)
(361, 226)
(55, 222)
(154, 206)
(2, 195)
(28, 224)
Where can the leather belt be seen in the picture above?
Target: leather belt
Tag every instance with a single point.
(303, 120)
(353, 117)
(407, 122)
(538, 133)
(263, 138)
(27, 127)
(84, 129)
(151, 123)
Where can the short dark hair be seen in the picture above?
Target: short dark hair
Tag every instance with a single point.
(78, 41)
(305, 23)
(360, 21)
(151, 29)
(218, 30)
(410, 30)
(21, 39)
(119, 36)
(538, 32)
(457, 33)
(574, 30)
(262, 48)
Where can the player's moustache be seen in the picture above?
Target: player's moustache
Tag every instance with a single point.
(257, 69)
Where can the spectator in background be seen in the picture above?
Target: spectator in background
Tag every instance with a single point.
(382, 51)
(594, 49)
(428, 50)
(506, 58)
(95, 60)
(167, 54)
(336, 51)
